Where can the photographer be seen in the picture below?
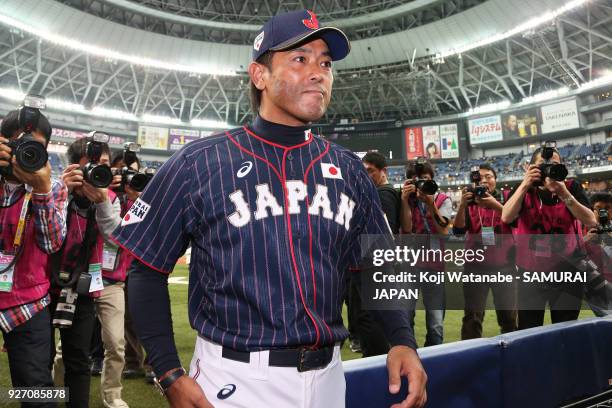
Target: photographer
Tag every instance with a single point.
(33, 207)
(545, 204)
(92, 215)
(598, 245)
(426, 212)
(371, 334)
(126, 164)
(479, 217)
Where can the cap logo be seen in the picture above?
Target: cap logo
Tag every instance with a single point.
(311, 23)
(258, 41)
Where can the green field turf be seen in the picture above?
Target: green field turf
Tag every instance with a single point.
(138, 394)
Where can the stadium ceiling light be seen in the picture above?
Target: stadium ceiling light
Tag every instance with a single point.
(147, 118)
(113, 114)
(528, 25)
(545, 95)
(70, 107)
(490, 107)
(603, 80)
(12, 94)
(209, 124)
(64, 105)
(110, 54)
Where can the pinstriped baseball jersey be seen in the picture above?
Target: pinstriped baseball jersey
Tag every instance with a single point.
(272, 231)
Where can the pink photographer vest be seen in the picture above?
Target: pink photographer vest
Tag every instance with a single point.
(538, 218)
(30, 278)
(495, 256)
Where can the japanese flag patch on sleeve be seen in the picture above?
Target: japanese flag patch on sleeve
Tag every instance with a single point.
(136, 213)
(331, 171)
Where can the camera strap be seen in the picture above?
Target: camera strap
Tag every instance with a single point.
(84, 253)
(21, 225)
(424, 216)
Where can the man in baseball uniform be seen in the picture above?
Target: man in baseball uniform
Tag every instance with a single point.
(273, 214)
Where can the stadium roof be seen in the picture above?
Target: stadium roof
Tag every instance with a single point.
(485, 52)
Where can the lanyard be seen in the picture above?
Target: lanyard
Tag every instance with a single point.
(424, 216)
(22, 219)
(493, 222)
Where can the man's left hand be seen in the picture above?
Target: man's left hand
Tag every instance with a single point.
(404, 361)
(93, 194)
(557, 187)
(487, 201)
(428, 200)
(40, 180)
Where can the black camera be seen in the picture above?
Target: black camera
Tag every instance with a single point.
(603, 222)
(130, 177)
(478, 190)
(65, 309)
(30, 154)
(150, 172)
(556, 171)
(98, 175)
(429, 187)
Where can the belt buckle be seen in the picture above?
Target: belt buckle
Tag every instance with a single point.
(313, 359)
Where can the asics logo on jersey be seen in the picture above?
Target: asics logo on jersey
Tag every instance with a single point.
(267, 204)
(244, 169)
(226, 391)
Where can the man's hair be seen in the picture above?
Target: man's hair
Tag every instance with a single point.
(10, 125)
(117, 157)
(538, 151)
(377, 159)
(487, 166)
(427, 169)
(602, 197)
(78, 149)
(255, 94)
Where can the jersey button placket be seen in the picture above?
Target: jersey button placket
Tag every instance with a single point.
(290, 164)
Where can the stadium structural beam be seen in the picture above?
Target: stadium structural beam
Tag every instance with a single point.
(565, 54)
(461, 79)
(499, 79)
(510, 68)
(445, 85)
(57, 70)
(107, 81)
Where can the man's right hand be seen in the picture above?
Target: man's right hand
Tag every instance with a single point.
(5, 153)
(591, 235)
(407, 189)
(73, 177)
(466, 196)
(532, 175)
(186, 393)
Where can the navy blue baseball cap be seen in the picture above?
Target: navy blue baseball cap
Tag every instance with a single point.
(285, 31)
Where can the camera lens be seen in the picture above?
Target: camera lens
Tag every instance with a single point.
(138, 181)
(480, 191)
(31, 155)
(557, 172)
(98, 175)
(428, 187)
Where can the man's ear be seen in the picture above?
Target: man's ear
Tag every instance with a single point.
(257, 72)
